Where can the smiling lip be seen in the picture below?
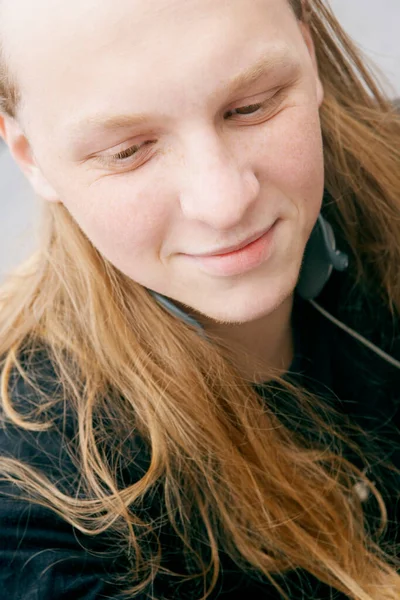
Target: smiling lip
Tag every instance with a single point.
(236, 247)
(242, 258)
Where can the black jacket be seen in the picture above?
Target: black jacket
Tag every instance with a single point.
(43, 558)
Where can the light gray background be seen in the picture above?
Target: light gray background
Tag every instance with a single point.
(373, 25)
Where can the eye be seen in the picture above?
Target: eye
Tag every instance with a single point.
(248, 110)
(128, 153)
(259, 108)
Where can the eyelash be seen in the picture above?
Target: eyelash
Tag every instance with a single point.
(124, 155)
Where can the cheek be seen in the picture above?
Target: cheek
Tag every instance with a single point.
(291, 153)
(122, 224)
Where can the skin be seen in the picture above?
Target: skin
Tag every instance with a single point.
(210, 179)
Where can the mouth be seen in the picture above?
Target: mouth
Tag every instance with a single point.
(236, 247)
(241, 258)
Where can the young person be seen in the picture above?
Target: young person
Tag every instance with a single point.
(200, 365)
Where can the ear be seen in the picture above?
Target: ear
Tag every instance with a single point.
(21, 151)
(306, 33)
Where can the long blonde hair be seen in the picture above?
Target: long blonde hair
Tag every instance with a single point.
(229, 471)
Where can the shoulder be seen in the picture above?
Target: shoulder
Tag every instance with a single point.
(42, 555)
(359, 373)
(37, 426)
(41, 424)
(360, 306)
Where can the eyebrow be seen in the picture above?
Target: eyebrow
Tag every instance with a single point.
(267, 63)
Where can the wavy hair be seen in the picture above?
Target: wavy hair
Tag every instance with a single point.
(127, 370)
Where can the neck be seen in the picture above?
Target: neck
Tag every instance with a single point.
(260, 346)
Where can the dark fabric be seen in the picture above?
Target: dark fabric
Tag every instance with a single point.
(43, 558)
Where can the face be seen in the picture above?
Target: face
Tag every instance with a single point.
(139, 118)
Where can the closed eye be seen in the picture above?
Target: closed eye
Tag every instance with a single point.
(129, 152)
(247, 110)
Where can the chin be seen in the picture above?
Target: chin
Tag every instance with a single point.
(249, 302)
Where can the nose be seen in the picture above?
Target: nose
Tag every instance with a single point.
(218, 188)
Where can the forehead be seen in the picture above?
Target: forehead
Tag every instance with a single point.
(92, 50)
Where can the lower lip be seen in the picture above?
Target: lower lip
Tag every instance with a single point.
(239, 261)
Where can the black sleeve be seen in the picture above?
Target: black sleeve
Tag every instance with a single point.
(41, 557)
